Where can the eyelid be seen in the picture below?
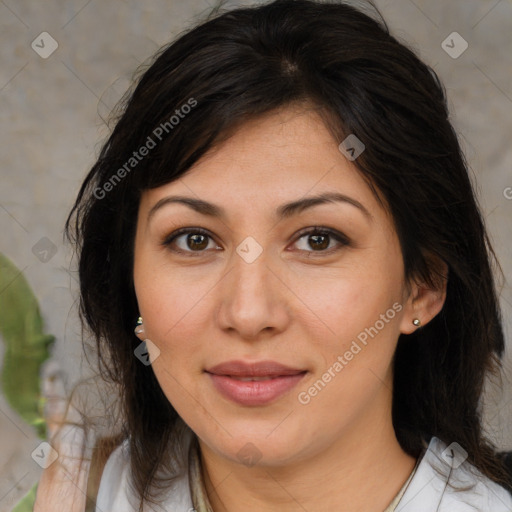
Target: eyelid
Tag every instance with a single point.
(342, 239)
(182, 231)
(166, 242)
(323, 230)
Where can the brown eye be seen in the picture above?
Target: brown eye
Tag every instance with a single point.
(321, 240)
(196, 241)
(189, 240)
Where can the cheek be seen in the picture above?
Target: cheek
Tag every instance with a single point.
(173, 303)
(174, 326)
(354, 358)
(357, 318)
(344, 302)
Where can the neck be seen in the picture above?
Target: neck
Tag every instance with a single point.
(362, 471)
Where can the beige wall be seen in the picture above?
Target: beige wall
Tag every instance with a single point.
(51, 128)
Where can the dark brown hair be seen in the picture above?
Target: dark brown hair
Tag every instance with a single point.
(247, 62)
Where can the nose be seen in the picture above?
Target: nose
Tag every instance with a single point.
(253, 298)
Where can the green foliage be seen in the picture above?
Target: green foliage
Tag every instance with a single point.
(26, 346)
(27, 503)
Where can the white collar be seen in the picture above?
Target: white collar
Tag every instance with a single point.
(457, 487)
(428, 491)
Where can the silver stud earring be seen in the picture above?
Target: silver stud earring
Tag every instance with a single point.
(139, 329)
(416, 322)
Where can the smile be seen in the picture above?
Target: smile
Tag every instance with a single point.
(253, 384)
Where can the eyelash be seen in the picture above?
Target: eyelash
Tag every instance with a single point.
(316, 230)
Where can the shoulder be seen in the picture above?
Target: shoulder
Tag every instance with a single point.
(116, 493)
(446, 482)
(114, 484)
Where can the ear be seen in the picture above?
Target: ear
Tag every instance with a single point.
(425, 300)
(140, 332)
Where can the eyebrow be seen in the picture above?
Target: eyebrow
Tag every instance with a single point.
(283, 212)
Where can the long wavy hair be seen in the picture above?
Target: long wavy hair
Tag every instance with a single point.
(240, 64)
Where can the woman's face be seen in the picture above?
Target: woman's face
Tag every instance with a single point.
(258, 284)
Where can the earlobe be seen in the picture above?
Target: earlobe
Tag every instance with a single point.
(425, 301)
(139, 329)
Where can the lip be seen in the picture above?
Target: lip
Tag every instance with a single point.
(279, 380)
(254, 369)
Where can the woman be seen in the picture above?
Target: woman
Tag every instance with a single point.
(286, 272)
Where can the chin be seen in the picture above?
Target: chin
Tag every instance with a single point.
(260, 450)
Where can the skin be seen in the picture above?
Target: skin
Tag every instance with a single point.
(296, 304)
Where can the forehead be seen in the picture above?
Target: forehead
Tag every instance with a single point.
(280, 156)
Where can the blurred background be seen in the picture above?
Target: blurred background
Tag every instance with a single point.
(65, 63)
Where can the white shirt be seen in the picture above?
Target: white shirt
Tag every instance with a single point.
(428, 491)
